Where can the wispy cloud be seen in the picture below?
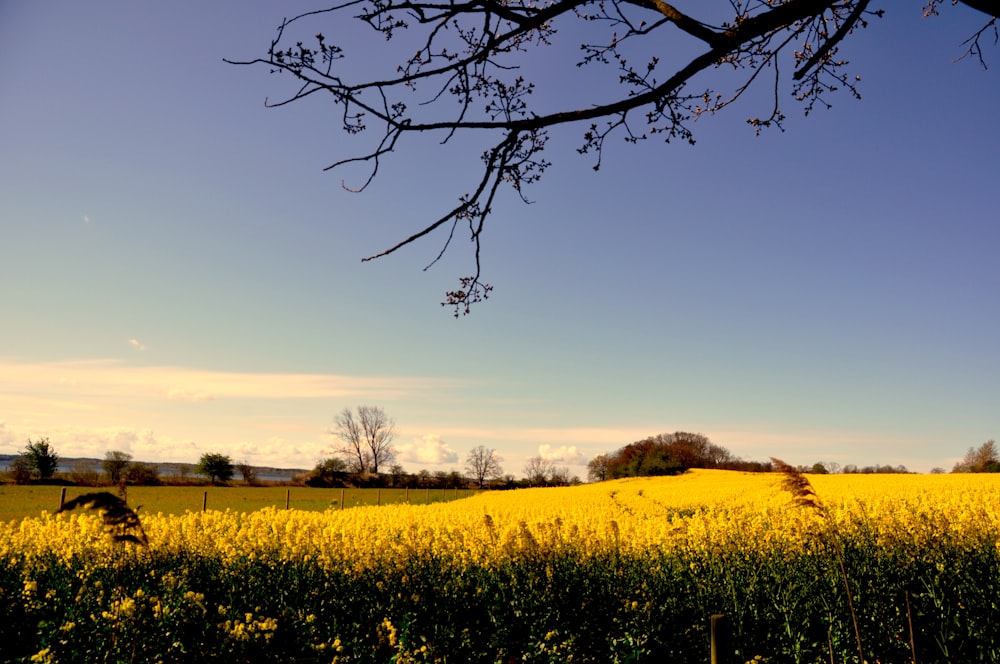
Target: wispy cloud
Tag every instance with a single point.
(102, 378)
(135, 344)
(86, 218)
(428, 449)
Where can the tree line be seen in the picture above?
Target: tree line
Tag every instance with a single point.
(365, 457)
(39, 461)
(675, 453)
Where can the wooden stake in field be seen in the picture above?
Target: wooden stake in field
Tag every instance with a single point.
(722, 650)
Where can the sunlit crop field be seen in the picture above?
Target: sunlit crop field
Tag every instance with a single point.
(17, 502)
(625, 571)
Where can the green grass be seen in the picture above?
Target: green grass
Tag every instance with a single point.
(18, 502)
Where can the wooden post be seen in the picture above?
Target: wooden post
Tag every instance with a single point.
(204, 501)
(427, 496)
(62, 498)
(407, 495)
(288, 497)
(341, 499)
(722, 649)
(378, 497)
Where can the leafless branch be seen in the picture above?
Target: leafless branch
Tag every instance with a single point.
(469, 56)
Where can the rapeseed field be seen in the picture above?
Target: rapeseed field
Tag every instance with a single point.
(620, 571)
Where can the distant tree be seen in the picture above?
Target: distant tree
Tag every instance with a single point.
(693, 450)
(216, 467)
(652, 456)
(983, 459)
(248, 472)
(398, 475)
(452, 479)
(20, 468)
(441, 479)
(559, 476)
(329, 472)
(42, 458)
(598, 468)
(884, 469)
(115, 465)
(483, 464)
(538, 471)
(366, 438)
(84, 473)
(143, 474)
(937, 470)
(818, 468)
(424, 478)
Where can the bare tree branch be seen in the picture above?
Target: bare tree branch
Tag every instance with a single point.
(472, 58)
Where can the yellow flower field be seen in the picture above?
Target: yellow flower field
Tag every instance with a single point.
(729, 542)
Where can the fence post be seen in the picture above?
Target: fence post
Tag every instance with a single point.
(722, 649)
(288, 497)
(341, 499)
(204, 501)
(407, 495)
(62, 498)
(378, 497)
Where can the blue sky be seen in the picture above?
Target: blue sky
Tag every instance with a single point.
(178, 274)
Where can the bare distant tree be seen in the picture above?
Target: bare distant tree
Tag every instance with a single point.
(20, 468)
(483, 464)
(366, 438)
(85, 473)
(559, 475)
(116, 464)
(982, 459)
(599, 468)
(538, 471)
(248, 472)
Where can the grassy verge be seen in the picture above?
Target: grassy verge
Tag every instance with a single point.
(18, 502)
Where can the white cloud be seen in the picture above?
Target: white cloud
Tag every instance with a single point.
(429, 449)
(135, 344)
(563, 453)
(86, 218)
